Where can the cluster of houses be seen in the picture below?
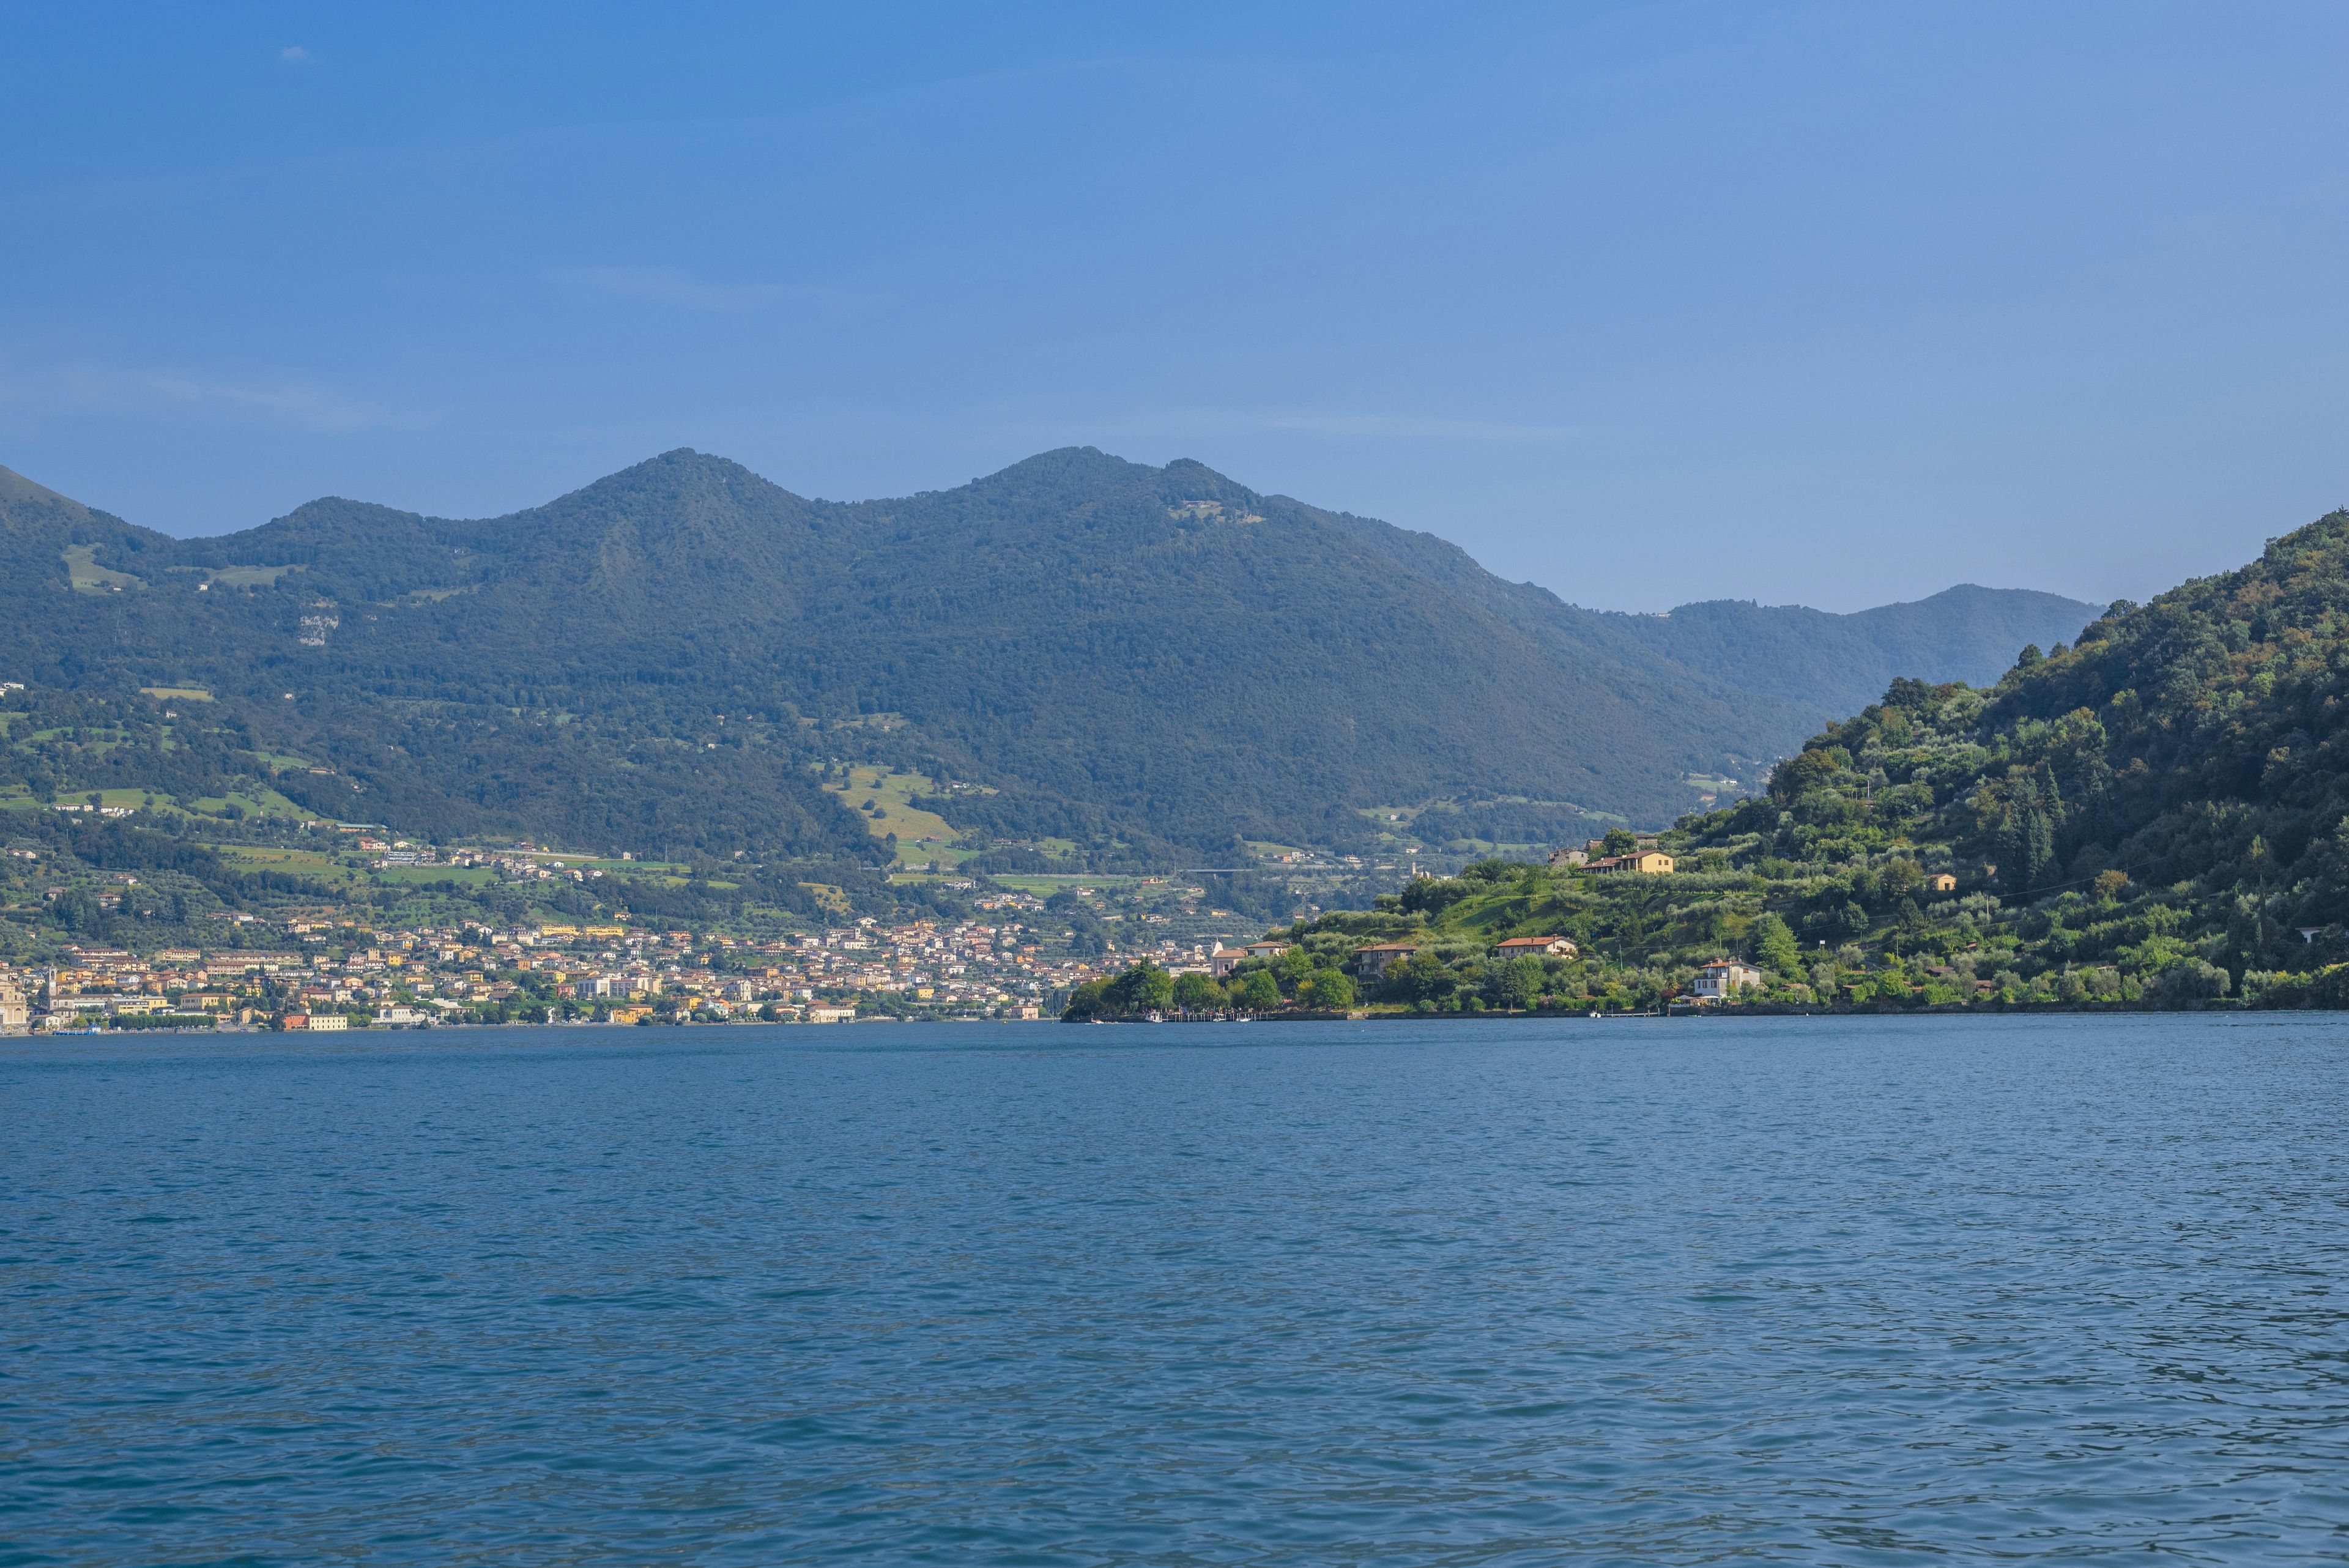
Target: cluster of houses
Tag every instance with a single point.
(332, 974)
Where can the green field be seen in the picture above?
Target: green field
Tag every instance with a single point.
(922, 836)
(294, 862)
(249, 576)
(89, 577)
(592, 862)
(254, 801)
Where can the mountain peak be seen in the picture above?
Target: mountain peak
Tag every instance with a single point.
(1062, 468)
(680, 476)
(17, 490)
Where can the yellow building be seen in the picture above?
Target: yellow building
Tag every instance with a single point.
(1536, 947)
(1639, 862)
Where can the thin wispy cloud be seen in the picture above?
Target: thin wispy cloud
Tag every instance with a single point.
(293, 55)
(1409, 427)
(1151, 424)
(667, 285)
(1056, 418)
(277, 402)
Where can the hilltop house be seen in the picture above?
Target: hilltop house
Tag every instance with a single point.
(1536, 947)
(1639, 862)
(1941, 882)
(1723, 979)
(1371, 963)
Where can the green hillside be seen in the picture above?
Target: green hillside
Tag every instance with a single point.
(2155, 815)
(1078, 655)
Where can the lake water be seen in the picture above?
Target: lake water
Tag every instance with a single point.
(1802, 1291)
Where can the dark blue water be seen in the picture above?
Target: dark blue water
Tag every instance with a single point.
(1833, 1290)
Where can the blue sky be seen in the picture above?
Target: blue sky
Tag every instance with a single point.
(1830, 304)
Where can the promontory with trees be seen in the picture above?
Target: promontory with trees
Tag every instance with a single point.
(2156, 817)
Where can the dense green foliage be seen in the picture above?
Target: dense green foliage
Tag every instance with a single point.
(1294, 979)
(1150, 662)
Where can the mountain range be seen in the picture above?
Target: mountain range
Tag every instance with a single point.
(1079, 653)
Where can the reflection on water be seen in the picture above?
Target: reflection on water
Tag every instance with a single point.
(1817, 1290)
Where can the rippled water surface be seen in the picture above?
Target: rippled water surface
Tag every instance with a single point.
(1825, 1290)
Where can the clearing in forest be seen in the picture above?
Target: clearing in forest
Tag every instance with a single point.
(885, 800)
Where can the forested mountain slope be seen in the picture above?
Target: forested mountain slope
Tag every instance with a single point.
(680, 655)
(2168, 794)
(1835, 665)
(2155, 817)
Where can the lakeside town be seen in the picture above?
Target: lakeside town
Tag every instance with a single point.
(315, 967)
(321, 970)
(337, 975)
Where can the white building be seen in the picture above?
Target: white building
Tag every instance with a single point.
(1723, 979)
